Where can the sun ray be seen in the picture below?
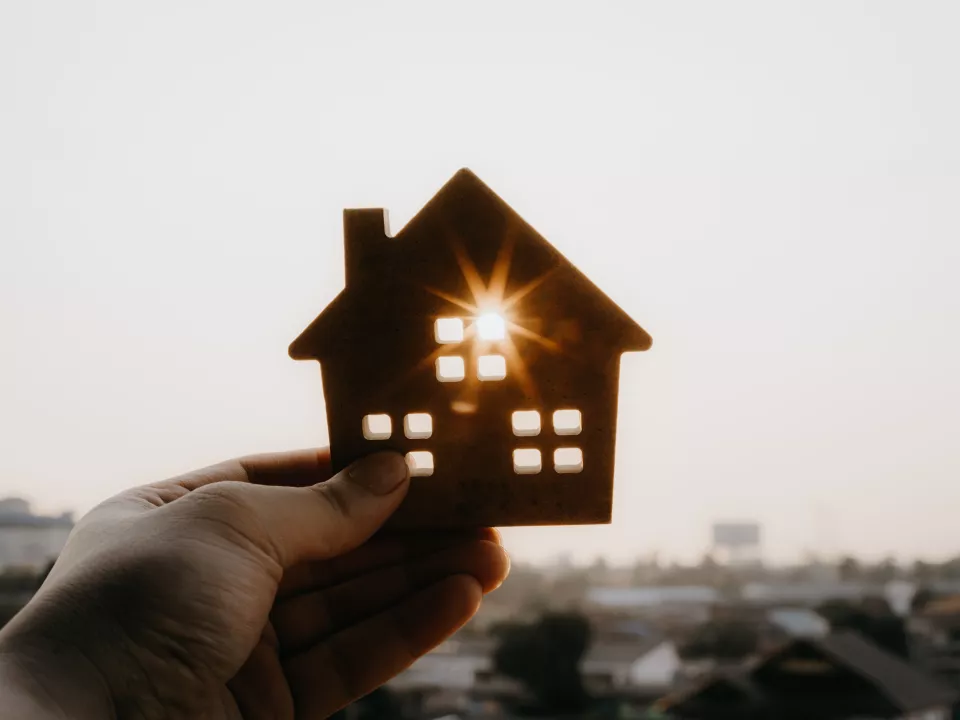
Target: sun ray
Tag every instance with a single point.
(431, 359)
(518, 368)
(469, 270)
(536, 337)
(472, 309)
(490, 297)
(501, 270)
(526, 289)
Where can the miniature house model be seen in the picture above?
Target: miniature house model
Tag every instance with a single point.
(471, 345)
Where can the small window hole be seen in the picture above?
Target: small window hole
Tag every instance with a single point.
(420, 463)
(448, 330)
(526, 423)
(567, 422)
(568, 460)
(450, 368)
(377, 427)
(492, 367)
(526, 461)
(418, 426)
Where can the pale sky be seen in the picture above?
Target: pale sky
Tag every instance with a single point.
(770, 189)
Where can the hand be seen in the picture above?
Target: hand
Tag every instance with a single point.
(249, 589)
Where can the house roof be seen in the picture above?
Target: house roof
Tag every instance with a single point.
(736, 680)
(904, 685)
(799, 622)
(639, 597)
(805, 593)
(443, 215)
(621, 652)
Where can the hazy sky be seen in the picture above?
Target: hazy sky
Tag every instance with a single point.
(770, 189)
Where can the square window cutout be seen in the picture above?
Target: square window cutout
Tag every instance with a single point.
(448, 330)
(418, 426)
(526, 461)
(492, 367)
(568, 460)
(450, 368)
(420, 463)
(377, 427)
(526, 423)
(567, 422)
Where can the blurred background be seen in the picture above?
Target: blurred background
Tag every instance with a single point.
(769, 189)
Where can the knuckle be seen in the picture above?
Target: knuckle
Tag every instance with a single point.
(221, 501)
(224, 511)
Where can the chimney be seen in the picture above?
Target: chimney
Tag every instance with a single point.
(365, 233)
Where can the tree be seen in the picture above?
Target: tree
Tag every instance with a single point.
(923, 572)
(545, 656)
(849, 569)
(951, 569)
(873, 619)
(921, 598)
(883, 572)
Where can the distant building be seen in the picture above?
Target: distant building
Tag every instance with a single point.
(813, 594)
(838, 677)
(682, 603)
(460, 673)
(805, 593)
(650, 664)
(798, 622)
(456, 664)
(28, 541)
(737, 543)
(785, 622)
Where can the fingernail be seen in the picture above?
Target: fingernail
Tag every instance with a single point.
(381, 473)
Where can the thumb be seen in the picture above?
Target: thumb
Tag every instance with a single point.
(297, 524)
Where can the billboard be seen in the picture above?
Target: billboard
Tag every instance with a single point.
(736, 534)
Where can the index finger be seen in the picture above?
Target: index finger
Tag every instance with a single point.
(297, 468)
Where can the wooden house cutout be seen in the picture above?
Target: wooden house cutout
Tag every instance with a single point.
(470, 344)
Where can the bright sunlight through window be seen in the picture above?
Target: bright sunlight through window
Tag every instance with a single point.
(491, 326)
(448, 330)
(492, 367)
(525, 423)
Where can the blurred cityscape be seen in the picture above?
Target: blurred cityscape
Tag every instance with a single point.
(727, 637)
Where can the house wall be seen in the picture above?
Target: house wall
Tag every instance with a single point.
(474, 482)
(657, 668)
(379, 353)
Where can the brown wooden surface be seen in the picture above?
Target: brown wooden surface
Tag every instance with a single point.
(377, 349)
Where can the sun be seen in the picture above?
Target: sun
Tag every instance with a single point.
(491, 326)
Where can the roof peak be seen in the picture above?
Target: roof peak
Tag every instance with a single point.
(470, 203)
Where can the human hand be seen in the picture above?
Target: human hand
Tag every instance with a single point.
(249, 589)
